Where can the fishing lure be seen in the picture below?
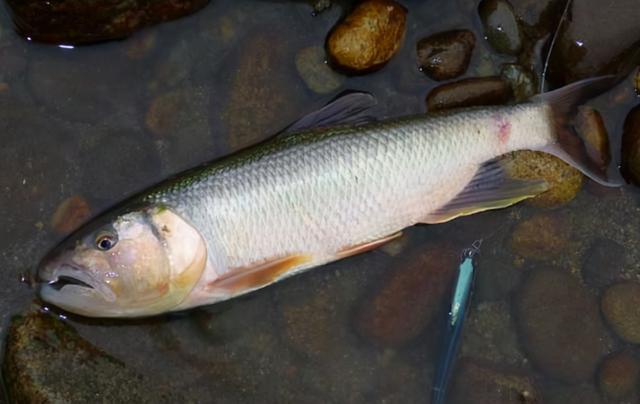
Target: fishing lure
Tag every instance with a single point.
(460, 302)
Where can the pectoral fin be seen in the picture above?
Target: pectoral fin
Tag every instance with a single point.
(253, 277)
(489, 189)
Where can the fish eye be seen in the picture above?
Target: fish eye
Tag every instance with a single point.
(106, 241)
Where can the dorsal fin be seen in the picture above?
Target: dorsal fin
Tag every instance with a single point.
(353, 108)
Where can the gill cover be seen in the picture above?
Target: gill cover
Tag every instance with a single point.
(152, 265)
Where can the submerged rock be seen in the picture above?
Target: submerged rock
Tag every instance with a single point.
(603, 263)
(590, 127)
(631, 146)
(621, 308)
(368, 37)
(469, 92)
(522, 81)
(86, 21)
(598, 38)
(315, 72)
(410, 297)
(445, 55)
(541, 237)
(560, 326)
(480, 383)
(46, 361)
(500, 26)
(262, 98)
(179, 121)
(70, 214)
(564, 181)
(619, 375)
(584, 393)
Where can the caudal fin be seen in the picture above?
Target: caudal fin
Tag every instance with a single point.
(570, 147)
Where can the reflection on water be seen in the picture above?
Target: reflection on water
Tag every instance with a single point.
(98, 123)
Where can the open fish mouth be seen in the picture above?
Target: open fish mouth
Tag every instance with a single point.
(64, 280)
(70, 278)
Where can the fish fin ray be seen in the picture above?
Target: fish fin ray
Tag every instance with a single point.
(570, 147)
(488, 189)
(368, 246)
(354, 108)
(252, 277)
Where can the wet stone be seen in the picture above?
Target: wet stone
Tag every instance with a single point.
(542, 237)
(522, 81)
(46, 361)
(560, 326)
(482, 383)
(409, 298)
(368, 37)
(70, 214)
(584, 393)
(500, 26)
(315, 72)
(621, 308)
(469, 92)
(599, 38)
(490, 335)
(636, 82)
(590, 127)
(179, 122)
(83, 86)
(564, 181)
(262, 98)
(603, 263)
(445, 55)
(86, 21)
(631, 146)
(619, 375)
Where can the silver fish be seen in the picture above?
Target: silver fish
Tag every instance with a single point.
(333, 188)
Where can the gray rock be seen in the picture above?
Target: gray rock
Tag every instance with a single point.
(603, 263)
(600, 37)
(500, 26)
(316, 73)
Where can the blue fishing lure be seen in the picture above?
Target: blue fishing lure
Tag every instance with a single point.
(457, 312)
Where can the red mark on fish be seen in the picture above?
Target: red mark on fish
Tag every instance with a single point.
(504, 128)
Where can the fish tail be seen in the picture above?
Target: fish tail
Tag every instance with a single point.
(567, 143)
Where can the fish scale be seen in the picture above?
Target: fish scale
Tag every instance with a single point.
(319, 192)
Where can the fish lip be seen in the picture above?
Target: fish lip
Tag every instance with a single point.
(84, 280)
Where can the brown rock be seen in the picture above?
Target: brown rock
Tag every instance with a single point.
(500, 26)
(368, 37)
(262, 97)
(469, 92)
(446, 55)
(564, 181)
(621, 307)
(541, 237)
(636, 82)
(408, 300)
(560, 326)
(603, 263)
(590, 127)
(70, 214)
(480, 383)
(619, 375)
(631, 146)
(85, 21)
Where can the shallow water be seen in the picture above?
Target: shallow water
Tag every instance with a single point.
(77, 123)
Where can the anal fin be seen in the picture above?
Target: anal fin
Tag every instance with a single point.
(489, 189)
(239, 280)
(371, 245)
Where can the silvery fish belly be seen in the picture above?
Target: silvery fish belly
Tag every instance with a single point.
(295, 202)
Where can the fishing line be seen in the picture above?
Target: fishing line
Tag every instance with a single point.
(551, 45)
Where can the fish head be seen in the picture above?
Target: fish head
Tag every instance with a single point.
(132, 264)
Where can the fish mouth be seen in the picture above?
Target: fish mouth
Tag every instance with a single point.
(69, 278)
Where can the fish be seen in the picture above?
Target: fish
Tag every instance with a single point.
(336, 183)
(460, 302)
